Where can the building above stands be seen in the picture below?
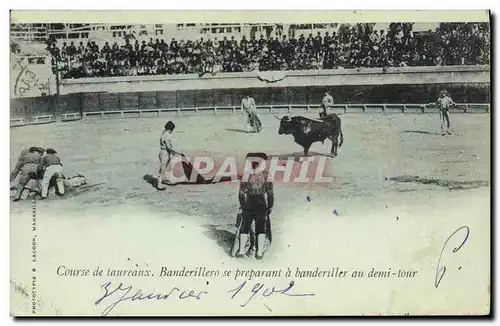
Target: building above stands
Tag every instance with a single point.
(101, 33)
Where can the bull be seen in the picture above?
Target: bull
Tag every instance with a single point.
(307, 131)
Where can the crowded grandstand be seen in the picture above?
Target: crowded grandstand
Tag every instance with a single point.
(132, 51)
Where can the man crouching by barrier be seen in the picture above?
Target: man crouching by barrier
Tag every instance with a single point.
(256, 200)
(51, 167)
(27, 168)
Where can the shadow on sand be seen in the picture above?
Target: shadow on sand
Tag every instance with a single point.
(151, 180)
(450, 184)
(220, 213)
(297, 155)
(188, 170)
(422, 132)
(236, 130)
(200, 181)
(223, 238)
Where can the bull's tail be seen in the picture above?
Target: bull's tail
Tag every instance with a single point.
(341, 135)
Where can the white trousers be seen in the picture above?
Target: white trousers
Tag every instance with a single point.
(166, 172)
(164, 157)
(51, 171)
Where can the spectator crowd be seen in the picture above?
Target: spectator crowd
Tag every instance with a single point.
(352, 46)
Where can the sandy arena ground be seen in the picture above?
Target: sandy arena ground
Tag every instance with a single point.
(382, 223)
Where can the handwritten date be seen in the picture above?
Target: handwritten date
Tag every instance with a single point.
(122, 294)
(115, 295)
(260, 290)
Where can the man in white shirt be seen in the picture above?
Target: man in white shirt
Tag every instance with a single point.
(51, 166)
(444, 102)
(326, 105)
(249, 108)
(168, 148)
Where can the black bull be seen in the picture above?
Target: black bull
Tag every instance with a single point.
(308, 131)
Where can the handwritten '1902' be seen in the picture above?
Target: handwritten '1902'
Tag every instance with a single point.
(259, 288)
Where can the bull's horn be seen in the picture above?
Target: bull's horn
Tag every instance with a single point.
(277, 117)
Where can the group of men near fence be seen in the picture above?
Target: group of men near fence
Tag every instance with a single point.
(39, 165)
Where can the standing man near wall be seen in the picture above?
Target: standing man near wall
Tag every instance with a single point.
(249, 108)
(326, 105)
(444, 102)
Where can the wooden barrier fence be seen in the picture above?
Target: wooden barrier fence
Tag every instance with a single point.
(269, 109)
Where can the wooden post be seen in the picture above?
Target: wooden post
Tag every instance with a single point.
(99, 101)
(120, 101)
(58, 86)
(80, 105)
